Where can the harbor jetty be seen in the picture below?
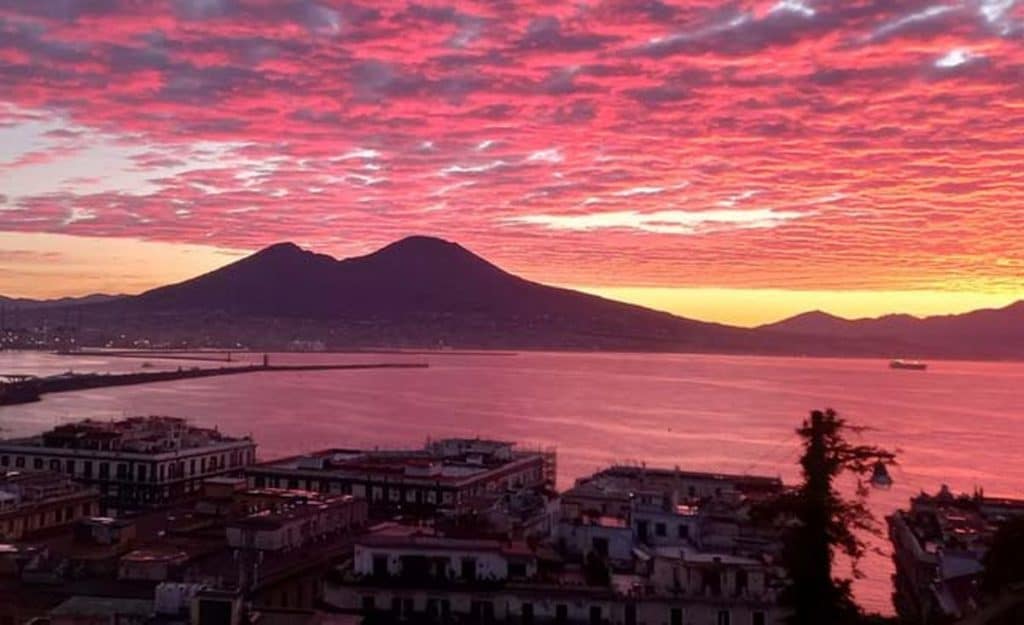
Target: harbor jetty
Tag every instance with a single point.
(24, 389)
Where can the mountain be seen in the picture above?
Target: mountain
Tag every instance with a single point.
(986, 333)
(414, 276)
(417, 291)
(427, 292)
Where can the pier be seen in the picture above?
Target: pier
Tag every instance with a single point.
(25, 389)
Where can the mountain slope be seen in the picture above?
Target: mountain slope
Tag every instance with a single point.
(414, 276)
(425, 292)
(422, 287)
(987, 333)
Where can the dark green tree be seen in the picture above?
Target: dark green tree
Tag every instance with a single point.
(820, 523)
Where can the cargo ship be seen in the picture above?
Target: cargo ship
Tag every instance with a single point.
(909, 365)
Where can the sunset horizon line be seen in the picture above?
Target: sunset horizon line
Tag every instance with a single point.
(699, 303)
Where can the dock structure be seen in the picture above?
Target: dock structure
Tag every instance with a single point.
(25, 389)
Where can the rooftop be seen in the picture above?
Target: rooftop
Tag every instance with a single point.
(957, 521)
(646, 475)
(152, 434)
(664, 488)
(294, 510)
(39, 486)
(103, 606)
(450, 460)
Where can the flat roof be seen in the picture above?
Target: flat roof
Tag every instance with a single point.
(418, 464)
(103, 606)
(272, 519)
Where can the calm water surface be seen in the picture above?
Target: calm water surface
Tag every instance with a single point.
(955, 424)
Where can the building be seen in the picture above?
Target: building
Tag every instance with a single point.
(631, 546)
(446, 475)
(409, 574)
(135, 462)
(688, 536)
(296, 522)
(939, 545)
(31, 502)
(620, 508)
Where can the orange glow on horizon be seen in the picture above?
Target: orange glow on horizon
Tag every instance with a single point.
(49, 266)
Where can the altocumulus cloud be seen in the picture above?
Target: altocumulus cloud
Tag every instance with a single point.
(348, 123)
(666, 221)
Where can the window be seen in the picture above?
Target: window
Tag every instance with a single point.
(87, 468)
(675, 616)
(481, 612)
(368, 605)
(684, 530)
(380, 566)
(5, 461)
(469, 568)
(54, 464)
(600, 546)
(741, 582)
(659, 529)
(527, 614)
(192, 466)
(757, 619)
(630, 614)
(595, 615)
(561, 614)
(724, 617)
(104, 471)
(19, 462)
(516, 569)
(37, 463)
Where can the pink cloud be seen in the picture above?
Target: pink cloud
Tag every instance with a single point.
(885, 134)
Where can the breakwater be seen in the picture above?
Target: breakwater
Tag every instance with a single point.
(29, 389)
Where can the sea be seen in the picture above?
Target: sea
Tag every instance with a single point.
(958, 423)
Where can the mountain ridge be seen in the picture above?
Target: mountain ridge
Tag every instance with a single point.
(423, 291)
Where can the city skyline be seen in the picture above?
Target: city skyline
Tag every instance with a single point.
(738, 163)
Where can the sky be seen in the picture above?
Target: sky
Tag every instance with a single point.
(729, 160)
